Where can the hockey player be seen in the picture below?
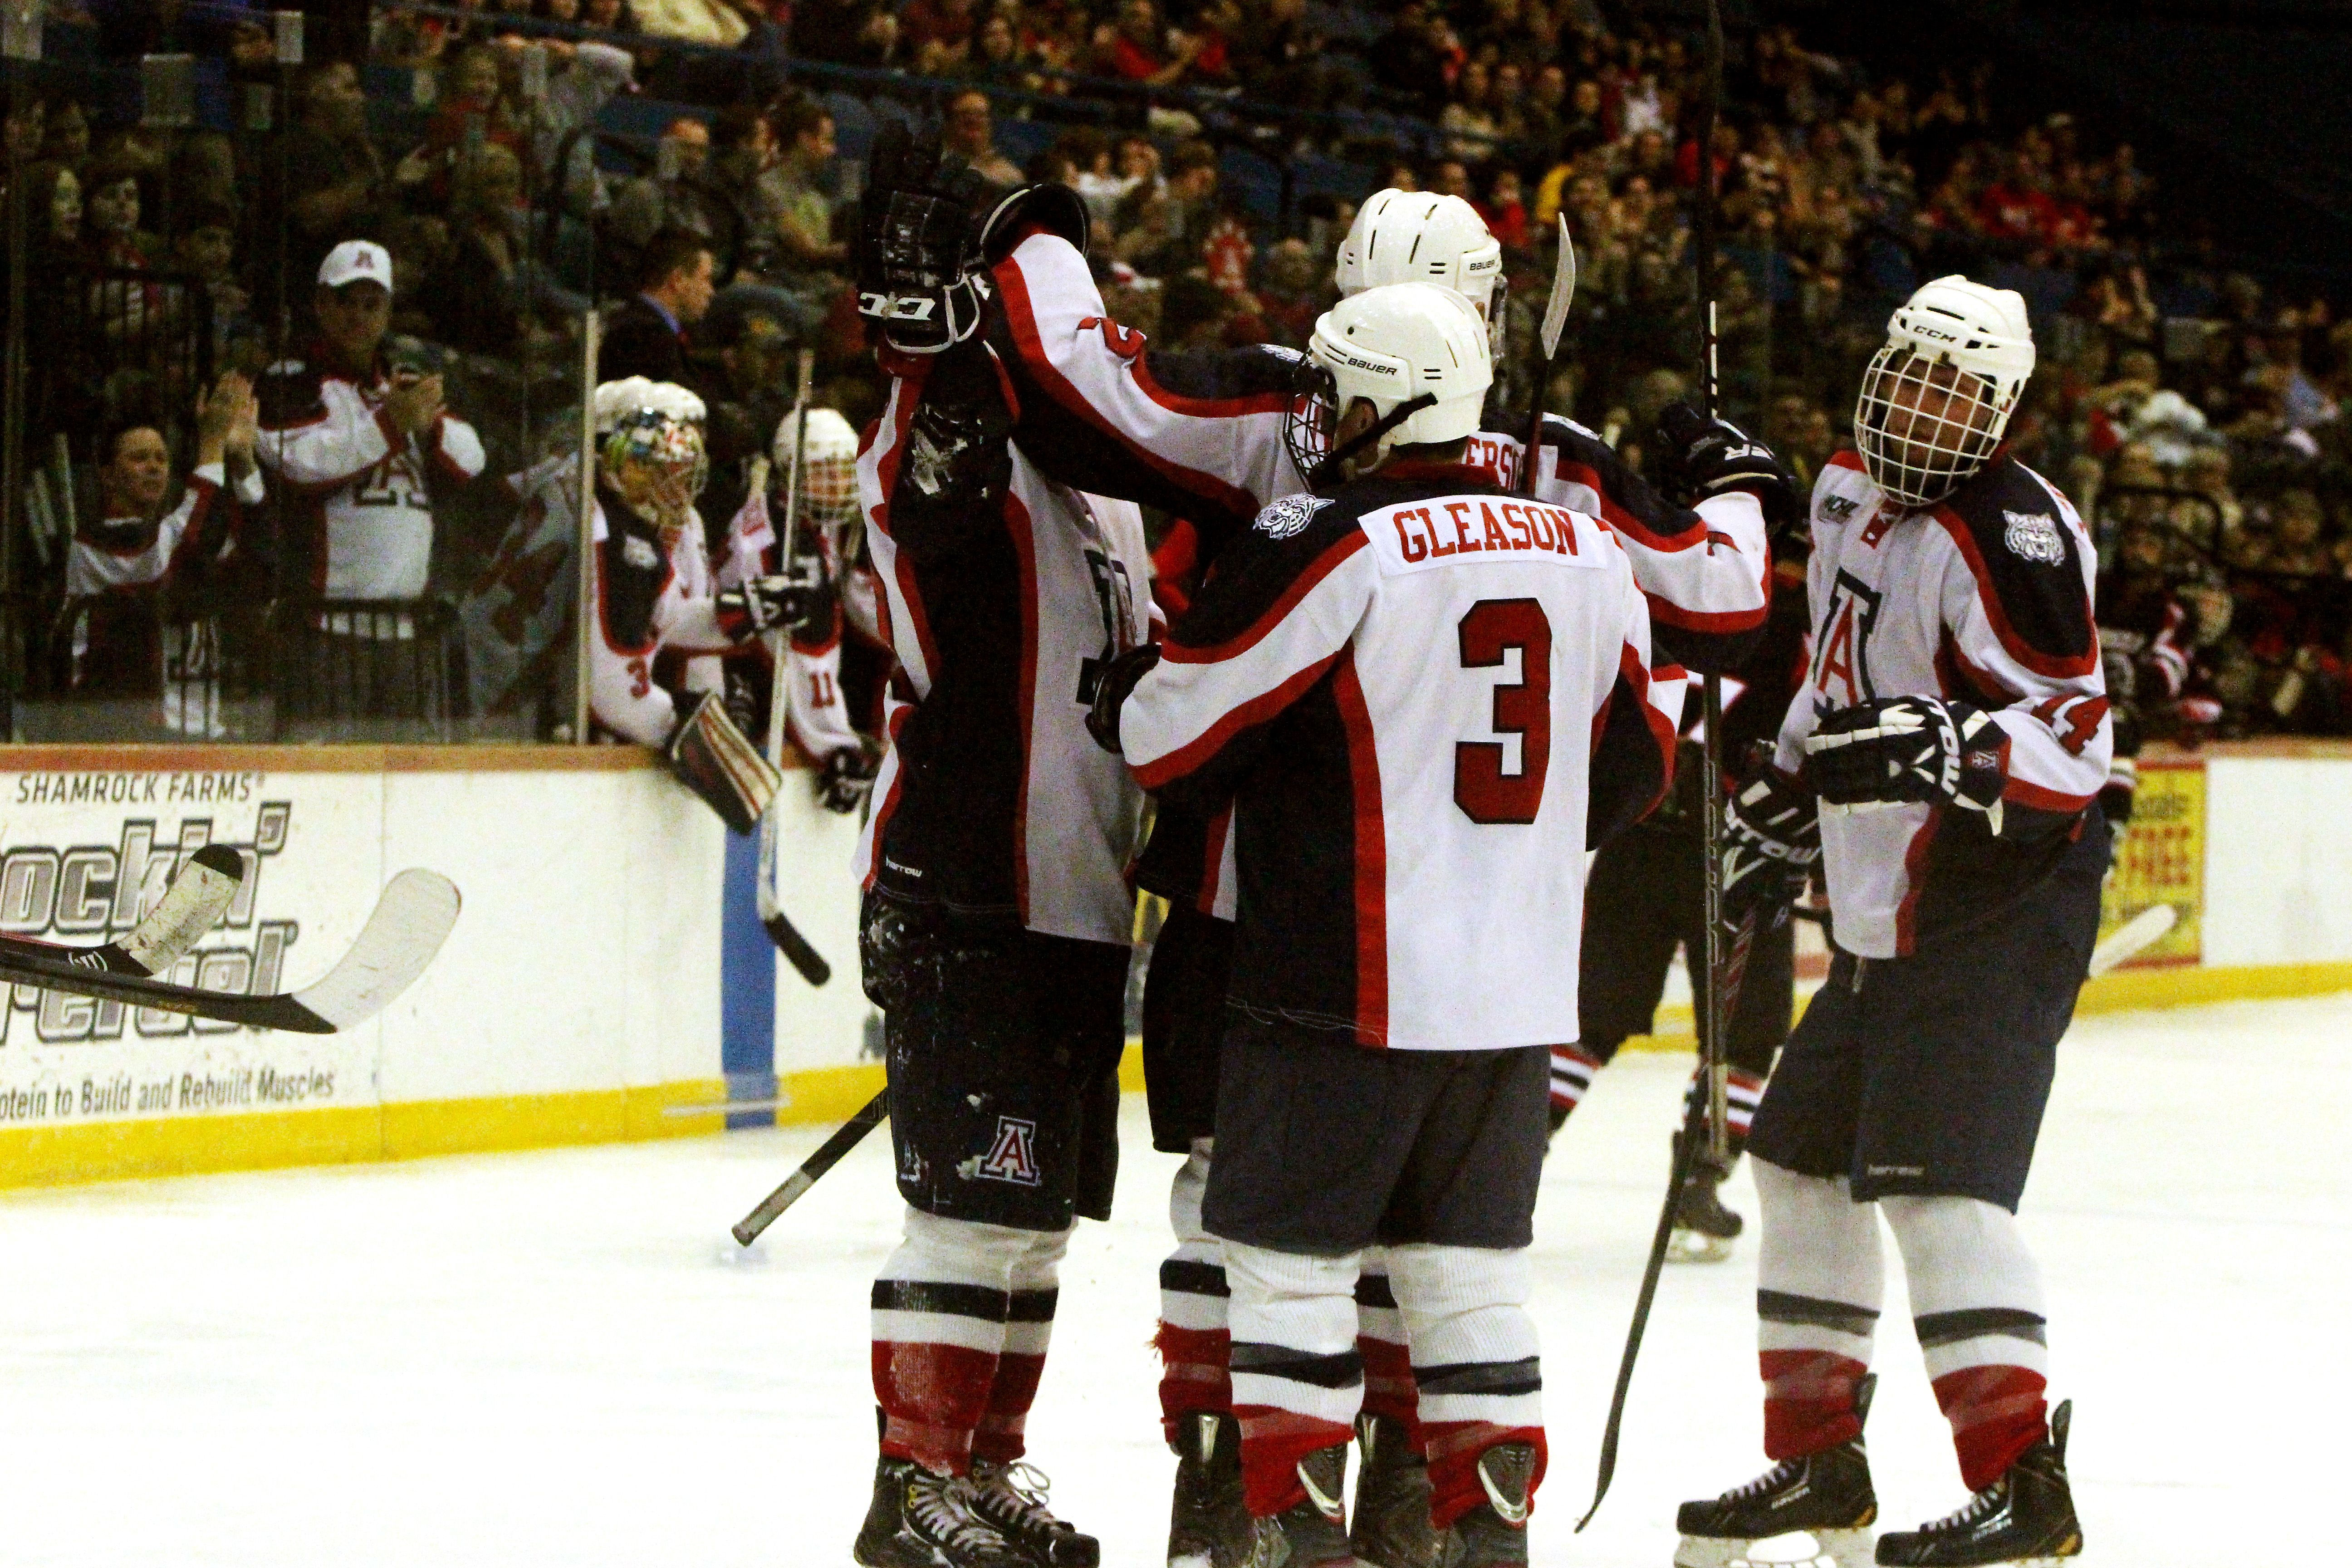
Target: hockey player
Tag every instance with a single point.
(1371, 779)
(1942, 762)
(996, 921)
(649, 468)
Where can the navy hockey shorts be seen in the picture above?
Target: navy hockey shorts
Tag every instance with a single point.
(1927, 1076)
(1003, 1049)
(1645, 897)
(1326, 1147)
(1184, 1025)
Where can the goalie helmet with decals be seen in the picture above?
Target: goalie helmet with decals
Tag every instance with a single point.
(1416, 237)
(828, 489)
(1937, 399)
(1415, 351)
(649, 447)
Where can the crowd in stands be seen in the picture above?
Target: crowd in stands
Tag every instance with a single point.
(690, 168)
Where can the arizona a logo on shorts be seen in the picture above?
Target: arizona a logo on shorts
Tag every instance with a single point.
(1290, 514)
(1012, 1156)
(2034, 536)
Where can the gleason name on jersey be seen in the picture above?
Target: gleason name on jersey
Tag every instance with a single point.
(1421, 535)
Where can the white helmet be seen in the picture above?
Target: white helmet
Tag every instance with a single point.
(1415, 351)
(1416, 237)
(652, 449)
(1937, 397)
(828, 465)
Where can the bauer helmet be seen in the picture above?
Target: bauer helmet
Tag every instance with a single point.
(828, 466)
(1415, 236)
(1937, 397)
(1415, 351)
(650, 447)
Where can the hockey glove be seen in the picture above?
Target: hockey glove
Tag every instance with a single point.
(919, 271)
(958, 445)
(786, 602)
(1771, 841)
(1704, 457)
(1119, 678)
(845, 779)
(1903, 749)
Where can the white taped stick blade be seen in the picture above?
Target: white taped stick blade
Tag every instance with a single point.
(2135, 936)
(1563, 292)
(410, 922)
(190, 908)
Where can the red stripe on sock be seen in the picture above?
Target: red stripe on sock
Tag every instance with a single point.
(1564, 1098)
(1273, 1442)
(1997, 1412)
(1454, 1447)
(1002, 1433)
(1194, 1374)
(1808, 1401)
(933, 1397)
(1388, 1387)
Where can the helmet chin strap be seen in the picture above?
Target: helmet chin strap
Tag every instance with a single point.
(1329, 468)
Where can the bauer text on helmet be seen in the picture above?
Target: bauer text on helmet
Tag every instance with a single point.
(1414, 353)
(1935, 400)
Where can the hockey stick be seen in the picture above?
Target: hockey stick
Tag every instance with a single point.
(410, 922)
(194, 903)
(1555, 322)
(1719, 994)
(2143, 930)
(844, 1138)
(806, 960)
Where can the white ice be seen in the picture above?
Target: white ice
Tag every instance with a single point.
(554, 1358)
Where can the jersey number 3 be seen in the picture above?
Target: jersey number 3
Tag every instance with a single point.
(1485, 793)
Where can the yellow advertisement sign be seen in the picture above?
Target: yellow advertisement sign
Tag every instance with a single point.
(2163, 861)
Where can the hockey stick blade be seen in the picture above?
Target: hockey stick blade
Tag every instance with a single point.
(2128, 941)
(1563, 290)
(796, 950)
(194, 903)
(844, 1138)
(410, 922)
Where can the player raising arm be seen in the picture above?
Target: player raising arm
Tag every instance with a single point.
(1942, 760)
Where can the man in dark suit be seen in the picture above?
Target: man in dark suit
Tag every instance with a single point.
(646, 335)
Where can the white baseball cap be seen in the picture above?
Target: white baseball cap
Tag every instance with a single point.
(356, 261)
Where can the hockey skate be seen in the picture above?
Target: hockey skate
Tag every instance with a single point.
(1012, 1497)
(1495, 1534)
(1312, 1532)
(1391, 1528)
(919, 1519)
(1810, 1512)
(1704, 1228)
(2026, 1518)
(1207, 1525)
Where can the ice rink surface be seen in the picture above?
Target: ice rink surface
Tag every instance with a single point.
(557, 1361)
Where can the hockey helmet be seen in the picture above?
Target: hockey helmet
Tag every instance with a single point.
(1415, 351)
(1937, 399)
(650, 446)
(828, 466)
(1416, 237)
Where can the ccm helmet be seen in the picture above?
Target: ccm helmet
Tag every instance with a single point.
(1414, 237)
(1415, 351)
(1937, 397)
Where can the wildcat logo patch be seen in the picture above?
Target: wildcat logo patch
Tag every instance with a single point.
(1290, 515)
(2034, 536)
(1012, 1155)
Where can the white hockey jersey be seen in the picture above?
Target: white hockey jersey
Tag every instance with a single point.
(1425, 698)
(642, 605)
(133, 553)
(1985, 599)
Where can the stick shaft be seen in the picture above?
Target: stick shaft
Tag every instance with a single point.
(844, 1138)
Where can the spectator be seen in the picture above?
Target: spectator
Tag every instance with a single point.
(1405, 59)
(207, 249)
(1159, 231)
(939, 32)
(1468, 121)
(647, 334)
(676, 195)
(132, 553)
(809, 254)
(355, 448)
(334, 182)
(847, 33)
(494, 288)
(971, 132)
(1138, 49)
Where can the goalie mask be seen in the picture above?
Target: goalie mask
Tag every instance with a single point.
(650, 448)
(1937, 399)
(1416, 352)
(828, 491)
(1414, 237)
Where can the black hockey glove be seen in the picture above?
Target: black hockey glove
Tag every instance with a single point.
(959, 444)
(920, 276)
(1702, 457)
(1112, 687)
(786, 601)
(1901, 749)
(1771, 841)
(845, 779)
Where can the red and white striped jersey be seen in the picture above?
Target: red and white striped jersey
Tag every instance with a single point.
(993, 802)
(1984, 599)
(137, 553)
(1424, 699)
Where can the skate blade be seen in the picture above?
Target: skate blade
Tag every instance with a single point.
(1797, 1548)
(1697, 1246)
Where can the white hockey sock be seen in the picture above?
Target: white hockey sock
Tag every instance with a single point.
(1475, 1360)
(1033, 1292)
(1572, 1070)
(1819, 1282)
(1977, 1308)
(1299, 1379)
(1192, 1340)
(939, 1308)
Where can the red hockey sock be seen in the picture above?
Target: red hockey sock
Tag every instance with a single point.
(1028, 1331)
(1572, 1069)
(1808, 1401)
(1273, 1442)
(1196, 1376)
(1454, 1447)
(1997, 1412)
(933, 1398)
